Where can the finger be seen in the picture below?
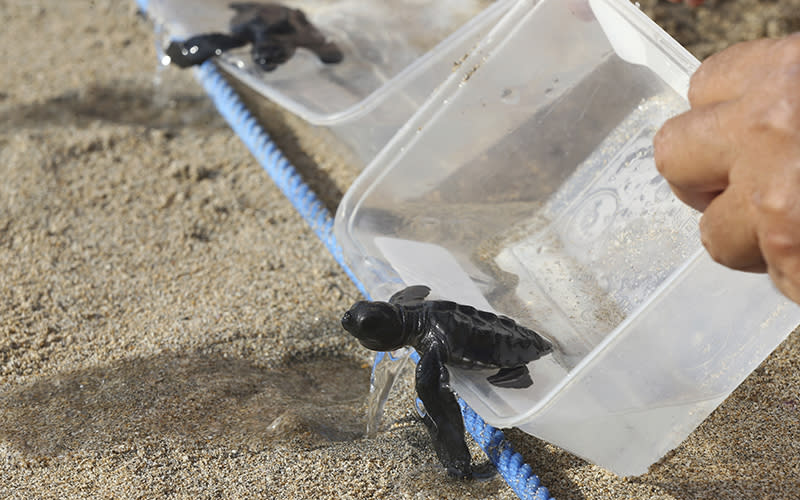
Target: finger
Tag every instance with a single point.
(728, 231)
(757, 268)
(781, 250)
(699, 200)
(779, 234)
(726, 74)
(694, 154)
(786, 283)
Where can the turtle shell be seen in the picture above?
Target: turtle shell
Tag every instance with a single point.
(481, 338)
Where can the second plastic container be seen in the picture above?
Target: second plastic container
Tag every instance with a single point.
(395, 53)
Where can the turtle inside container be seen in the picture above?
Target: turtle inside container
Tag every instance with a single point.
(447, 333)
(274, 32)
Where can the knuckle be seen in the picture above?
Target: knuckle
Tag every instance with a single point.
(777, 200)
(780, 115)
(779, 245)
(776, 107)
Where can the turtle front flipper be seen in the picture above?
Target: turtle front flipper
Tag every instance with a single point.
(517, 377)
(443, 420)
(310, 37)
(410, 295)
(327, 51)
(197, 49)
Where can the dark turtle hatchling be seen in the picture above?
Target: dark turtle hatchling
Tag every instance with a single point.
(275, 32)
(444, 332)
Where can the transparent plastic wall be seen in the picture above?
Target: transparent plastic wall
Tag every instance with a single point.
(526, 185)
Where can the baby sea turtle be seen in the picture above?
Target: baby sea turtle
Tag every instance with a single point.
(444, 332)
(275, 32)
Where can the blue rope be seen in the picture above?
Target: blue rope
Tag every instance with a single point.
(492, 441)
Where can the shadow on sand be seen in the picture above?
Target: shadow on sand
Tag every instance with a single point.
(154, 106)
(193, 398)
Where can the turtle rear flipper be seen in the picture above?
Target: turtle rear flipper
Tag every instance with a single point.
(311, 38)
(443, 415)
(517, 377)
(327, 52)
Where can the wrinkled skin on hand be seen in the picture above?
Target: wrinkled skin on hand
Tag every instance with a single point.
(735, 156)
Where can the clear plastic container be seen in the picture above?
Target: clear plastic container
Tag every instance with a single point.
(395, 53)
(526, 185)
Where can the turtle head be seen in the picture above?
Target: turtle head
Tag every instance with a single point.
(377, 325)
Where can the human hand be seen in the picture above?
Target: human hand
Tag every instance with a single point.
(736, 157)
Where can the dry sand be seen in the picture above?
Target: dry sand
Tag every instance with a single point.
(169, 325)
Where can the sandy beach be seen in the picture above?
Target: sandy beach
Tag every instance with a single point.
(169, 325)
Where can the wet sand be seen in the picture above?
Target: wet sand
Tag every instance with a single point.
(169, 325)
